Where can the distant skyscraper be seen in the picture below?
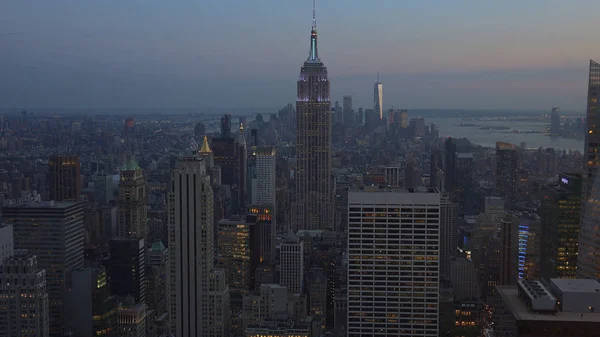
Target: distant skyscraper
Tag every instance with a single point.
(23, 297)
(199, 131)
(65, 178)
(53, 231)
(378, 98)
(506, 172)
(555, 121)
(226, 126)
(199, 296)
(588, 261)
(407, 257)
(313, 204)
(133, 201)
(348, 112)
(449, 165)
(263, 181)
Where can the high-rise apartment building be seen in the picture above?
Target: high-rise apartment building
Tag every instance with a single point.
(313, 204)
(378, 98)
(263, 179)
(506, 172)
(292, 263)
(198, 293)
(64, 178)
(133, 201)
(23, 297)
(53, 231)
(588, 263)
(393, 262)
(560, 216)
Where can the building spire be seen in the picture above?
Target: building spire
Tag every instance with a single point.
(377, 76)
(314, 55)
(205, 148)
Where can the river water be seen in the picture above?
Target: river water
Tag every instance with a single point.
(450, 127)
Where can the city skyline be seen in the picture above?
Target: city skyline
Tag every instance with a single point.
(149, 55)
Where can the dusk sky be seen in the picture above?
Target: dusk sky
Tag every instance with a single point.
(508, 54)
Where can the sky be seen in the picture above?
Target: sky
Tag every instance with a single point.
(458, 54)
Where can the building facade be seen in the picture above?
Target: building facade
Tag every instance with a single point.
(64, 178)
(53, 231)
(133, 202)
(393, 262)
(292, 264)
(199, 296)
(23, 297)
(588, 264)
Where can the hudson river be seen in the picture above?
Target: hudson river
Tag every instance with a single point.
(450, 127)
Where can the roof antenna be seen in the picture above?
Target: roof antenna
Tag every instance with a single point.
(314, 15)
(377, 76)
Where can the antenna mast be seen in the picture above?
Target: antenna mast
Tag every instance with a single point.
(314, 15)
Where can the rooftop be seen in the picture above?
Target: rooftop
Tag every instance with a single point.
(44, 204)
(576, 285)
(518, 308)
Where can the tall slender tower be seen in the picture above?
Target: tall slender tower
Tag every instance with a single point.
(588, 263)
(378, 98)
(314, 187)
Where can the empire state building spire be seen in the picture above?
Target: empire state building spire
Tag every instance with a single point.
(314, 54)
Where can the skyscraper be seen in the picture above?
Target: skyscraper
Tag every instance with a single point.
(127, 270)
(53, 231)
(199, 296)
(588, 263)
(560, 216)
(292, 263)
(378, 98)
(506, 172)
(313, 204)
(133, 201)
(348, 112)
(393, 262)
(449, 165)
(263, 180)
(448, 236)
(65, 179)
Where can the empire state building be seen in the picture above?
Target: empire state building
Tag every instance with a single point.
(314, 187)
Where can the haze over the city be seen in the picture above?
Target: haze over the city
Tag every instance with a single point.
(234, 54)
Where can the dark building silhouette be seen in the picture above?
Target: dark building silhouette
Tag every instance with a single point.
(199, 130)
(507, 164)
(126, 272)
(226, 126)
(64, 177)
(560, 216)
(449, 165)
